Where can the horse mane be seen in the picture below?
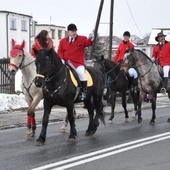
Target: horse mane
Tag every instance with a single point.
(48, 52)
(143, 54)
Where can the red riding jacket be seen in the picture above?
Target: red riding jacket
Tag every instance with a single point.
(123, 46)
(37, 46)
(74, 52)
(162, 54)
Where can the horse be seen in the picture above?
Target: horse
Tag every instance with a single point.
(149, 80)
(21, 59)
(117, 82)
(59, 89)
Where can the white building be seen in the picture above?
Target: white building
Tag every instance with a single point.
(14, 26)
(55, 32)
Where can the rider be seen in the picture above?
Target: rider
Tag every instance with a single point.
(71, 50)
(119, 57)
(42, 40)
(161, 52)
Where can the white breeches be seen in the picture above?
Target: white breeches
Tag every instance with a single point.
(80, 70)
(166, 71)
(133, 73)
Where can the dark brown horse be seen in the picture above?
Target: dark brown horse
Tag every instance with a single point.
(117, 82)
(58, 89)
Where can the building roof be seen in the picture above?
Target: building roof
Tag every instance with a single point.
(52, 25)
(10, 12)
(154, 33)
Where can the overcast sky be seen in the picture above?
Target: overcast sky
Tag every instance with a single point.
(140, 19)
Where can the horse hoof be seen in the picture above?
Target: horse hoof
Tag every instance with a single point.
(168, 120)
(87, 134)
(92, 132)
(71, 139)
(109, 121)
(152, 123)
(38, 143)
(63, 130)
(126, 119)
(139, 120)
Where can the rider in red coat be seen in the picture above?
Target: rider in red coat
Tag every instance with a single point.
(161, 52)
(72, 50)
(42, 40)
(123, 46)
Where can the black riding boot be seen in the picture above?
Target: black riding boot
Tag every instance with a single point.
(83, 89)
(164, 85)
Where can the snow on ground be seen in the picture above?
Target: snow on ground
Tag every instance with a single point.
(14, 101)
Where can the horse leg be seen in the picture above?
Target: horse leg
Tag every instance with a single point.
(135, 98)
(64, 125)
(99, 112)
(42, 137)
(90, 108)
(113, 100)
(152, 121)
(71, 119)
(124, 105)
(141, 97)
(31, 123)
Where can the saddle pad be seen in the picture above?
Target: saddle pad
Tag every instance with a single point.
(89, 79)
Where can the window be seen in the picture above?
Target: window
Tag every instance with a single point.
(52, 34)
(59, 34)
(23, 25)
(13, 24)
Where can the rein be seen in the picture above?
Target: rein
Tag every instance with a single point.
(111, 71)
(137, 66)
(47, 79)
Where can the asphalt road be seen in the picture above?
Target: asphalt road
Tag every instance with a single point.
(117, 146)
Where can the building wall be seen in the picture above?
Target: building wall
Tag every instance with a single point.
(7, 33)
(3, 36)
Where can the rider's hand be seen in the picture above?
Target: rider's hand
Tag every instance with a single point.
(63, 61)
(91, 36)
(153, 59)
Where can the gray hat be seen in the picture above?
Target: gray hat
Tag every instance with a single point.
(159, 35)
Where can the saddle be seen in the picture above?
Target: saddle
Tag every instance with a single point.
(75, 79)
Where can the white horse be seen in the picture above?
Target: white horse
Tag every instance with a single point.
(20, 59)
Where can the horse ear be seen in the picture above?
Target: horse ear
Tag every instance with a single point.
(13, 42)
(23, 44)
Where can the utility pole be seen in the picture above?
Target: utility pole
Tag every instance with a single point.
(96, 26)
(111, 29)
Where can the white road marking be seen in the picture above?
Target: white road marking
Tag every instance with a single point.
(78, 160)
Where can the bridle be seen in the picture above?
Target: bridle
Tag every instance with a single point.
(20, 65)
(105, 73)
(47, 78)
(138, 66)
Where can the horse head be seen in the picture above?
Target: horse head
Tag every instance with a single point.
(48, 65)
(16, 56)
(129, 58)
(98, 63)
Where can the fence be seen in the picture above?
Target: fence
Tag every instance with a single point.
(7, 80)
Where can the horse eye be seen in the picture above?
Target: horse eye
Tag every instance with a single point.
(20, 55)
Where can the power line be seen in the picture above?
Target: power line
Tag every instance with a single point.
(133, 17)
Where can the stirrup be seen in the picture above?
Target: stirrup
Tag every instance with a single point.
(163, 90)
